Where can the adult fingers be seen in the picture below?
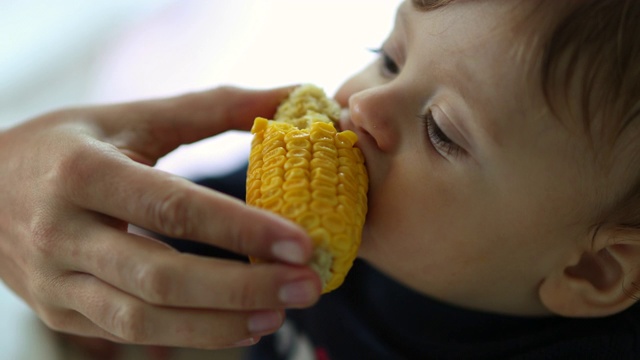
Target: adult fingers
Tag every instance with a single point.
(156, 127)
(71, 324)
(173, 206)
(127, 319)
(156, 274)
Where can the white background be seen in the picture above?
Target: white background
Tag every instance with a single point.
(56, 53)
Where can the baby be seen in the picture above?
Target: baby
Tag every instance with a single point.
(501, 139)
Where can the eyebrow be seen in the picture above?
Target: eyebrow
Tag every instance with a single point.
(427, 5)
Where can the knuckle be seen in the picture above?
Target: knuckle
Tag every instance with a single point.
(243, 231)
(45, 238)
(153, 283)
(79, 168)
(128, 321)
(172, 213)
(50, 235)
(72, 170)
(245, 296)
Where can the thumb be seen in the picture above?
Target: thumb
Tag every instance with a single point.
(153, 128)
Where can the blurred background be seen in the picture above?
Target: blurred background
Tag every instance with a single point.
(57, 53)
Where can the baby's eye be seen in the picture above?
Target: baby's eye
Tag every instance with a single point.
(389, 67)
(389, 64)
(438, 139)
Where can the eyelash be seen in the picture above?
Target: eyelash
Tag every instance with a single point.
(438, 139)
(389, 66)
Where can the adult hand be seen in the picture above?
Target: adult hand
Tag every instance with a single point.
(72, 181)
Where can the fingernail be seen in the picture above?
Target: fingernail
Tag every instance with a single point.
(288, 251)
(264, 322)
(298, 293)
(247, 342)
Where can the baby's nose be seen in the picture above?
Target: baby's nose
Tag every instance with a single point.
(372, 112)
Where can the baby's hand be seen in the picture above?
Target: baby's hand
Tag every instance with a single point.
(71, 183)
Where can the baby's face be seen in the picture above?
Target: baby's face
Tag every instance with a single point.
(476, 191)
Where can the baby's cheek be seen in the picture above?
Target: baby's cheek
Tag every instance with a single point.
(395, 229)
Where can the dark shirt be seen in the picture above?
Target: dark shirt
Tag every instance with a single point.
(374, 317)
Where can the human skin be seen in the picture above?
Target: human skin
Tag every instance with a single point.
(74, 180)
(490, 204)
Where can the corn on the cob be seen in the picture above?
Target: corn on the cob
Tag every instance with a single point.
(303, 169)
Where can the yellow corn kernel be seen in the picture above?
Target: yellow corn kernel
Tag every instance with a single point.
(302, 168)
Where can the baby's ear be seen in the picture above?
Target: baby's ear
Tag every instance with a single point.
(605, 281)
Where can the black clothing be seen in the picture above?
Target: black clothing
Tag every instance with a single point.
(374, 317)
